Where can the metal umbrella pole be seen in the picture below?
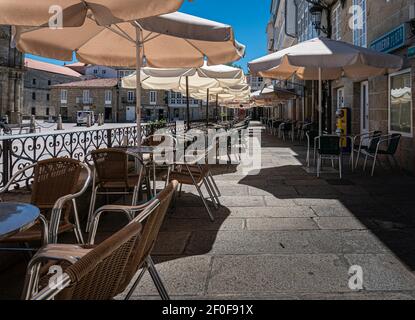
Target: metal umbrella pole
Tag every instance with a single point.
(207, 108)
(320, 102)
(138, 83)
(187, 104)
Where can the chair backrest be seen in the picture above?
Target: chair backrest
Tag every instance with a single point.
(329, 145)
(311, 135)
(53, 179)
(98, 274)
(394, 141)
(374, 141)
(111, 165)
(151, 229)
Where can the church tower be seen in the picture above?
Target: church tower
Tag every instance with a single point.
(11, 78)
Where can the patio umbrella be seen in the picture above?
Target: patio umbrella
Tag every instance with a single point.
(325, 59)
(171, 40)
(204, 81)
(74, 12)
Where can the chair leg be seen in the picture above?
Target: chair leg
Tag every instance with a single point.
(91, 208)
(156, 279)
(135, 284)
(214, 184)
(365, 164)
(319, 163)
(374, 166)
(204, 202)
(31, 281)
(77, 229)
(212, 195)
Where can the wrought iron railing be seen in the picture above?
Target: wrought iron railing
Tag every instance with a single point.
(19, 151)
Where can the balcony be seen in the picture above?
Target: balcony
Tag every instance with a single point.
(83, 101)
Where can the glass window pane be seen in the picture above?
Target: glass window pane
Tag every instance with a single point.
(401, 103)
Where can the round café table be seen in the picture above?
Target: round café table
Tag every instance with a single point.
(16, 217)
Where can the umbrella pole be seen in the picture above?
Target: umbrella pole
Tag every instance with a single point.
(320, 102)
(313, 101)
(138, 85)
(207, 108)
(217, 107)
(187, 103)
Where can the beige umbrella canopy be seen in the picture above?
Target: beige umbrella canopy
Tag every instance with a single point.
(199, 83)
(325, 59)
(74, 12)
(171, 40)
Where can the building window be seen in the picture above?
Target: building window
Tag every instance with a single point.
(124, 73)
(49, 83)
(33, 95)
(108, 97)
(34, 82)
(306, 29)
(64, 96)
(131, 96)
(104, 71)
(47, 97)
(33, 111)
(400, 103)
(86, 96)
(360, 23)
(95, 71)
(336, 21)
(153, 97)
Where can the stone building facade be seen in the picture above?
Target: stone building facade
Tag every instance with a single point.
(388, 27)
(38, 79)
(105, 96)
(11, 78)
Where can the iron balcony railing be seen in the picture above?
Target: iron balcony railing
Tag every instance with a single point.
(18, 151)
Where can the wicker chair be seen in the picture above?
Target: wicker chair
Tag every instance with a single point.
(112, 177)
(55, 186)
(94, 274)
(189, 171)
(151, 215)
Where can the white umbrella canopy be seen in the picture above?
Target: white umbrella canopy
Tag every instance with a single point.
(171, 40)
(201, 83)
(325, 59)
(335, 58)
(202, 78)
(167, 41)
(74, 12)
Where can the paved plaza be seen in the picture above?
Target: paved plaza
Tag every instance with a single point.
(284, 234)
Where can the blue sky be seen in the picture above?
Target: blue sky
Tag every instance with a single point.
(248, 18)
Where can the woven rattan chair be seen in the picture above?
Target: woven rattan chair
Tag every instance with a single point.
(189, 171)
(55, 185)
(112, 177)
(86, 274)
(151, 215)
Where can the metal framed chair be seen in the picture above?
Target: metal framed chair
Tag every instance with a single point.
(311, 140)
(111, 176)
(85, 274)
(55, 186)
(329, 149)
(362, 142)
(189, 171)
(150, 216)
(374, 151)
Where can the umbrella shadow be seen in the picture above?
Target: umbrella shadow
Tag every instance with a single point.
(385, 211)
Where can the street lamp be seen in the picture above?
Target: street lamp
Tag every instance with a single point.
(316, 12)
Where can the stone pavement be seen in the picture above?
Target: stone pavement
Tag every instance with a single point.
(284, 234)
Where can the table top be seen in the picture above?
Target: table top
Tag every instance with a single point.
(16, 217)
